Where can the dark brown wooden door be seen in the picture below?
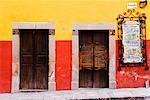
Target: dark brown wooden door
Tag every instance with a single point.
(93, 59)
(33, 59)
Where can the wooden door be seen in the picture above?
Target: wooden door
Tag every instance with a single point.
(33, 59)
(93, 59)
(86, 59)
(100, 41)
(26, 59)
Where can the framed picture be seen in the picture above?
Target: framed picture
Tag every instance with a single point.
(132, 40)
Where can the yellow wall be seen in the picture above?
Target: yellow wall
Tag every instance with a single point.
(63, 13)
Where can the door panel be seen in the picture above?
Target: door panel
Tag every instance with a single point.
(100, 78)
(34, 59)
(100, 50)
(41, 56)
(41, 42)
(26, 76)
(41, 59)
(26, 37)
(85, 38)
(40, 77)
(93, 59)
(86, 58)
(86, 51)
(85, 78)
(26, 59)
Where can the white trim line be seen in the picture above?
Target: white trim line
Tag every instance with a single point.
(33, 25)
(94, 26)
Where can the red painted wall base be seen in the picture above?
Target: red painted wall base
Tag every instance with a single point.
(133, 77)
(63, 68)
(126, 78)
(5, 66)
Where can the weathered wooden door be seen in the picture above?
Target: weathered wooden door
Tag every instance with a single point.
(33, 59)
(93, 59)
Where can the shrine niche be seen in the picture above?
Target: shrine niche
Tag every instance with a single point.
(131, 27)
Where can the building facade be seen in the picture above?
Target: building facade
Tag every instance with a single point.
(65, 45)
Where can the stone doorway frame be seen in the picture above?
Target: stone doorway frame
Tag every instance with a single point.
(16, 52)
(75, 50)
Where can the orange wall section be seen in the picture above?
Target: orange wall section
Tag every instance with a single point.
(64, 13)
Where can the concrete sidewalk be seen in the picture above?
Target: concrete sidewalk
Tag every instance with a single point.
(79, 94)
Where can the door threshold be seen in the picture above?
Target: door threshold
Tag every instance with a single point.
(92, 88)
(33, 90)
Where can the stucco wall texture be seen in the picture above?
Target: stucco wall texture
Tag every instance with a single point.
(65, 13)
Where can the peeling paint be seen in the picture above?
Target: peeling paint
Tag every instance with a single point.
(134, 74)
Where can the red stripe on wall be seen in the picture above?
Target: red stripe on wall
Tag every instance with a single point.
(132, 77)
(5, 66)
(63, 65)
